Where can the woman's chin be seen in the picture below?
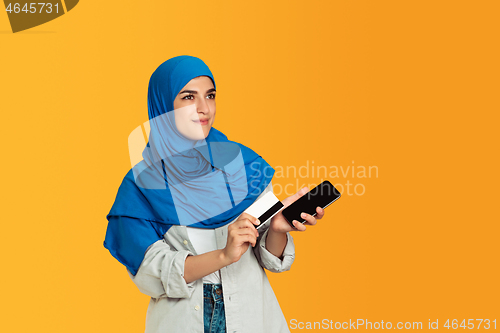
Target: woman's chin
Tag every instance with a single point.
(196, 136)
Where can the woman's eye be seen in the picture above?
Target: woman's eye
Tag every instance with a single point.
(211, 96)
(186, 97)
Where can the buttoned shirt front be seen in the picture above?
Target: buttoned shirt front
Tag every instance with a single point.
(249, 301)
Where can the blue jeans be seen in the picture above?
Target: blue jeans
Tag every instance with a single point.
(214, 317)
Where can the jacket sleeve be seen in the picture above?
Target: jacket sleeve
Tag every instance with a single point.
(268, 260)
(161, 273)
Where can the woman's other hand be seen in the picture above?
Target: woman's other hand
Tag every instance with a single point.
(280, 225)
(241, 234)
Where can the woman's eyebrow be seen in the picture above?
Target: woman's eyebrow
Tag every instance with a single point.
(194, 91)
(188, 92)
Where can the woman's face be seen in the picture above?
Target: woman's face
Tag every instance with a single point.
(194, 108)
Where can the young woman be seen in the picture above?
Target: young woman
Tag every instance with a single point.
(179, 224)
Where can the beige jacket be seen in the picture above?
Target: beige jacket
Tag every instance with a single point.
(176, 306)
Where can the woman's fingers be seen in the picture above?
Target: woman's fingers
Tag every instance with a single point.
(299, 226)
(309, 218)
(294, 197)
(248, 222)
(319, 213)
(247, 236)
(249, 217)
(240, 235)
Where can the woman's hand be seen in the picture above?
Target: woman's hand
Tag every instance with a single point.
(280, 225)
(240, 235)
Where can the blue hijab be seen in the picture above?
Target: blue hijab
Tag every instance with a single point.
(203, 183)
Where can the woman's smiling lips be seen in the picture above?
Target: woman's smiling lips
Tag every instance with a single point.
(201, 121)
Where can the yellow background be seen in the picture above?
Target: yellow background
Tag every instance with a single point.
(408, 86)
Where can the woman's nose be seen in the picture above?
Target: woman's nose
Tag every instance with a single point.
(202, 105)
